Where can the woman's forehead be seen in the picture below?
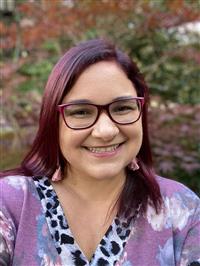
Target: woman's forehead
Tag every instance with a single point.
(103, 80)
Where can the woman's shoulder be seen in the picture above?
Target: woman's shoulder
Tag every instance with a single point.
(16, 183)
(180, 209)
(169, 188)
(177, 195)
(180, 202)
(15, 190)
(17, 193)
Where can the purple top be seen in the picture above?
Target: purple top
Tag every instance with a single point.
(30, 215)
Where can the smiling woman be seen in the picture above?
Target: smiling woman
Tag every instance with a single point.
(86, 193)
(109, 137)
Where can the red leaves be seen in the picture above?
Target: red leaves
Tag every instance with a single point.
(38, 21)
(175, 137)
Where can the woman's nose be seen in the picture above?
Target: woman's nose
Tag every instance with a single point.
(105, 128)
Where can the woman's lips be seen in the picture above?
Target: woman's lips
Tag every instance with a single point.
(104, 151)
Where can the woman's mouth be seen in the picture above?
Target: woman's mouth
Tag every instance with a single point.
(105, 151)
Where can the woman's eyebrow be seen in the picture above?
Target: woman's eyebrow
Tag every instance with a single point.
(123, 97)
(77, 101)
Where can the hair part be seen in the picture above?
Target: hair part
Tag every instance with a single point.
(43, 158)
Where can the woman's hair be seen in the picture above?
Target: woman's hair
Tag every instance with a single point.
(42, 160)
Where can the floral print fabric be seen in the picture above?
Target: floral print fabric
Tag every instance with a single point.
(170, 238)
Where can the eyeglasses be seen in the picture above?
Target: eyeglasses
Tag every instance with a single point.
(84, 115)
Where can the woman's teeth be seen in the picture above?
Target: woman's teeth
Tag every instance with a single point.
(103, 149)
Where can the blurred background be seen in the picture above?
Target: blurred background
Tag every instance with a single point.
(162, 36)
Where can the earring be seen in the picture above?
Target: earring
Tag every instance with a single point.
(57, 175)
(133, 165)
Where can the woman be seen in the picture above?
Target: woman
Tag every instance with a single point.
(86, 193)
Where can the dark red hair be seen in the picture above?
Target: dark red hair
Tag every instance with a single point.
(141, 185)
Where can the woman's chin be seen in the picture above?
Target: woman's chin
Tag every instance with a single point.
(106, 174)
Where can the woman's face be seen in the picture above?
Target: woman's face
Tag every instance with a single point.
(92, 152)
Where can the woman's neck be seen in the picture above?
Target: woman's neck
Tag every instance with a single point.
(94, 190)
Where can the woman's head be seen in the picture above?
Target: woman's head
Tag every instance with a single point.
(100, 131)
(46, 154)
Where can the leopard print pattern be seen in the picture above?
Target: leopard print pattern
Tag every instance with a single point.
(110, 248)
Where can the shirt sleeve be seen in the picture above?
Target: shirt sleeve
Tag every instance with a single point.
(7, 237)
(190, 255)
(183, 218)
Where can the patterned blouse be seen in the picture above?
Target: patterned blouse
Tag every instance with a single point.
(34, 230)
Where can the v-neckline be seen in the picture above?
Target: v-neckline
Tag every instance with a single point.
(112, 242)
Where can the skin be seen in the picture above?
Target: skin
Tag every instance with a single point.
(92, 183)
(101, 83)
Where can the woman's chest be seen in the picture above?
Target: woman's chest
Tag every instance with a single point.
(138, 242)
(88, 224)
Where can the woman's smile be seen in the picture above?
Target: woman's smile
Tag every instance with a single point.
(105, 151)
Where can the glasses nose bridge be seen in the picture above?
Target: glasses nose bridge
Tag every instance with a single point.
(102, 108)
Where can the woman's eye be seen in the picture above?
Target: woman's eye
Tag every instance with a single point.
(124, 108)
(78, 113)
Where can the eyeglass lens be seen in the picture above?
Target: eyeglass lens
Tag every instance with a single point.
(84, 115)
